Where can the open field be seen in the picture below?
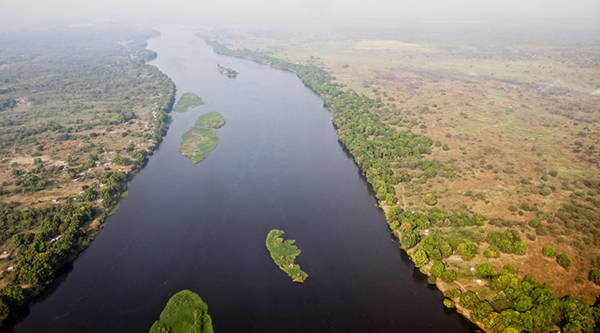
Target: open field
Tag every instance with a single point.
(514, 131)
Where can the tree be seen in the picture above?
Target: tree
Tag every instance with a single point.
(437, 269)
(485, 271)
(420, 258)
(467, 250)
(409, 239)
(481, 310)
(449, 276)
(469, 299)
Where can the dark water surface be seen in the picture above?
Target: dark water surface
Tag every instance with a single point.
(203, 227)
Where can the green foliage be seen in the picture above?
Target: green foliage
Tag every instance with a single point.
(120, 160)
(485, 271)
(535, 222)
(491, 252)
(467, 250)
(549, 251)
(210, 120)
(508, 242)
(469, 300)
(284, 253)
(199, 141)
(448, 276)
(448, 303)
(187, 101)
(430, 199)
(594, 276)
(564, 261)
(185, 312)
(575, 316)
(420, 258)
(437, 269)
(436, 247)
(409, 239)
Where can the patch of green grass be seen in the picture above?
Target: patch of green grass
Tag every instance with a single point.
(184, 312)
(198, 142)
(284, 252)
(188, 101)
(210, 120)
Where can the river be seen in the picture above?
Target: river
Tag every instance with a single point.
(203, 226)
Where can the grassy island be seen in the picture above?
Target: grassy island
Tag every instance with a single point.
(200, 140)
(284, 252)
(184, 312)
(188, 101)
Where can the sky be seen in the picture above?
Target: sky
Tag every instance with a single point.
(18, 13)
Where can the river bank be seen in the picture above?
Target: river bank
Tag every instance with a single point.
(488, 300)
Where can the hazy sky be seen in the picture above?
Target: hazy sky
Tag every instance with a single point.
(23, 12)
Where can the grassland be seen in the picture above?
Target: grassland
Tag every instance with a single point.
(187, 101)
(200, 140)
(284, 254)
(512, 162)
(185, 312)
(80, 112)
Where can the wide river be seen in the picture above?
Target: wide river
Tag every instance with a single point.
(203, 226)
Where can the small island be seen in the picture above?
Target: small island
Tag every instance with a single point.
(227, 71)
(201, 139)
(187, 101)
(184, 312)
(284, 253)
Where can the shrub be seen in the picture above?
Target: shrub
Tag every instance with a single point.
(545, 191)
(549, 251)
(448, 303)
(535, 222)
(564, 260)
(594, 276)
(430, 199)
(491, 252)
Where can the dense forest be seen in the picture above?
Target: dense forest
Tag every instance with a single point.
(510, 303)
(80, 111)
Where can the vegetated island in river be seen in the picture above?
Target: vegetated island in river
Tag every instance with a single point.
(284, 252)
(185, 312)
(187, 101)
(201, 139)
(229, 72)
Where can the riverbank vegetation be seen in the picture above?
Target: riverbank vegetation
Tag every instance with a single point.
(200, 140)
(84, 111)
(187, 101)
(488, 262)
(185, 312)
(284, 254)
